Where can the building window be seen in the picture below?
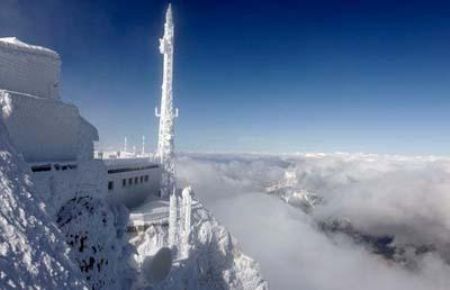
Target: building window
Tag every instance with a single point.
(124, 182)
(130, 181)
(142, 179)
(146, 178)
(110, 185)
(136, 180)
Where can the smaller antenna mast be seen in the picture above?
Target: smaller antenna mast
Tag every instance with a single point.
(143, 145)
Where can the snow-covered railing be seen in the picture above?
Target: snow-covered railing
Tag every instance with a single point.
(125, 162)
(157, 214)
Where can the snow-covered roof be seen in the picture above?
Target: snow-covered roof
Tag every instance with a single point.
(16, 44)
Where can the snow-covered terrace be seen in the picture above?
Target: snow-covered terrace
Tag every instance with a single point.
(153, 212)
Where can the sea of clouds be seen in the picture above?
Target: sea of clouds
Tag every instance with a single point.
(407, 198)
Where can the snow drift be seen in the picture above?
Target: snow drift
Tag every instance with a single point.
(33, 254)
(215, 260)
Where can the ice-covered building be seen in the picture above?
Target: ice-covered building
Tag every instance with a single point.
(133, 180)
(77, 190)
(29, 69)
(42, 127)
(57, 145)
(52, 136)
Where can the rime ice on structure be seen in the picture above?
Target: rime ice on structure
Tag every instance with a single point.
(167, 115)
(42, 127)
(180, 222)
(185, 221)
(179, 218)
(29, 69)
(173, 221)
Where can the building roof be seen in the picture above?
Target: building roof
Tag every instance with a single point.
(16, 44)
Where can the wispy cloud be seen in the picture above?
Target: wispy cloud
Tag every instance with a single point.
(406, 197)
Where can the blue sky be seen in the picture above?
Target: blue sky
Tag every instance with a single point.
(260, 76)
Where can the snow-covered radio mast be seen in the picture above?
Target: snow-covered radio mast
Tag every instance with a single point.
(167, 115)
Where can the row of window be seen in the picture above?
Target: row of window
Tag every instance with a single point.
(129, 181)
(128, 169)
(48, 167)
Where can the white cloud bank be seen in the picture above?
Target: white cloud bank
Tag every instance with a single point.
(406, 197)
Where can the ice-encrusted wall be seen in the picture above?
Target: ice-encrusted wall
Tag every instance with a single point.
(45, 130)
(29, 69)
(87, 133)
(94, 226)
(67, 187)
(147, 175)
(42, 128)
(59, 186)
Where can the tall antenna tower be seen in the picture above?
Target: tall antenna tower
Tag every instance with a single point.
(167, 115)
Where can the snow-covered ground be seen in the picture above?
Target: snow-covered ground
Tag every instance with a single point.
(399, 203)
(33, 252)
(79, 240)
(215, 260)
(60, 225)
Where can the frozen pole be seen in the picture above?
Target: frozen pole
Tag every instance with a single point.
(143, 146)
(185, 221)
(173, 222)
(167, 115)
(125, 145)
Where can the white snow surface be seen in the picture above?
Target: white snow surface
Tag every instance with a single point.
(89, 235)
(14, 42)
(37, 254)
(215, 260)
(29, 69)
(44, 130)
(95, 230)
(33, 254)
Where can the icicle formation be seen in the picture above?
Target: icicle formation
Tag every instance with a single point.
(167, 115)
(173, 221)
(185, 221)
(180, 208)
